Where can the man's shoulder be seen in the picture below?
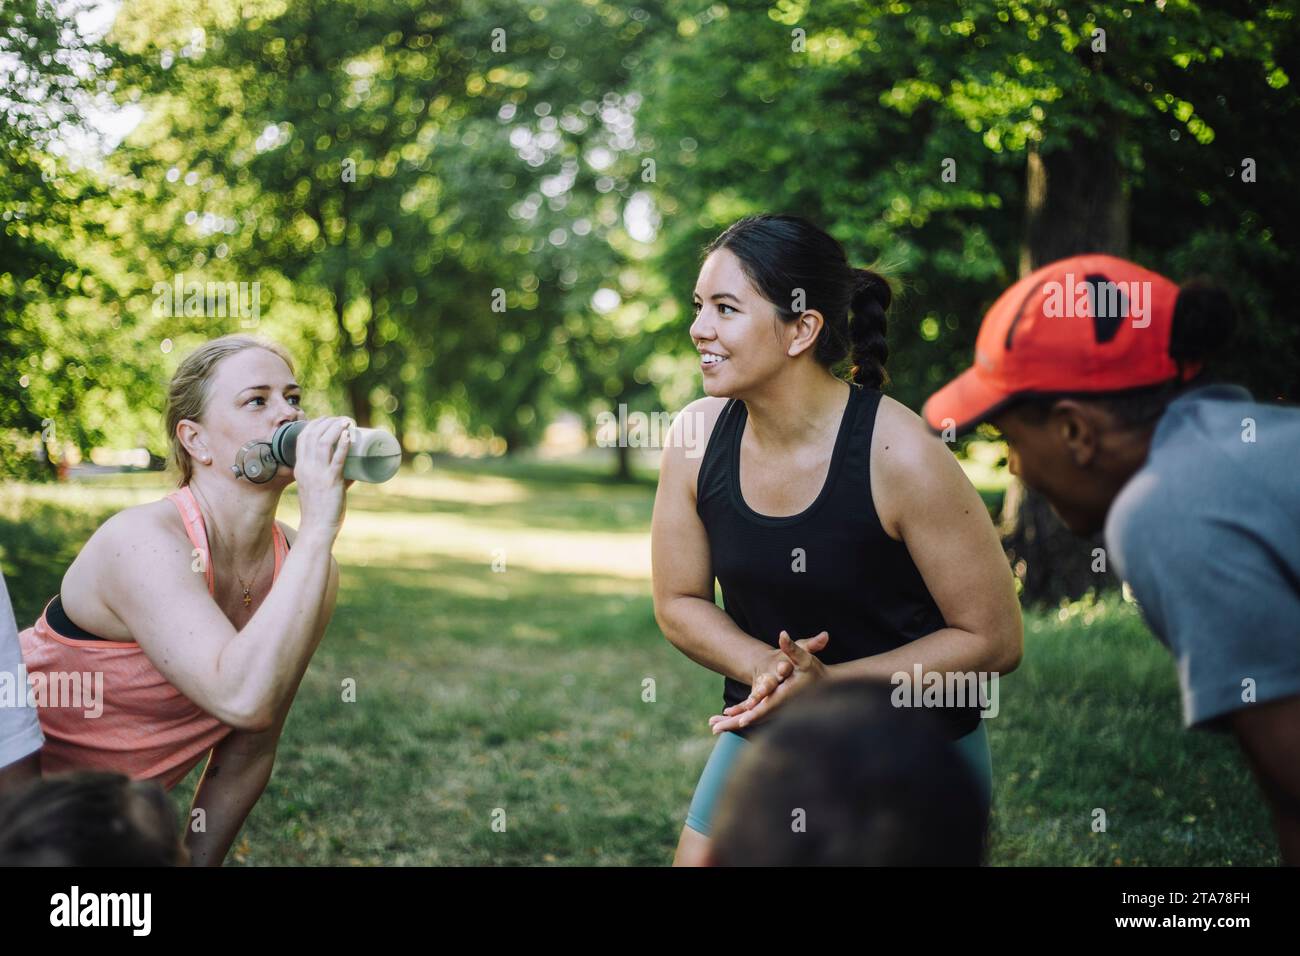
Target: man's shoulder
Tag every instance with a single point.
(1220, 456)
(1145, 502)
(1226, 420)
(1166, 508)
(1194, 457)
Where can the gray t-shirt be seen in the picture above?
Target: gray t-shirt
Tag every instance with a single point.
(20, 730)
(1207, 535)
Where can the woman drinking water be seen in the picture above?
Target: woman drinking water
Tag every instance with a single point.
(201, 610)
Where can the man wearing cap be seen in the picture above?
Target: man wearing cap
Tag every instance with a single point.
(1093, 370)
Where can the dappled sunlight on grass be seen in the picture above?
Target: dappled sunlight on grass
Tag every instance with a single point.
(520, 691)
(450, 487)
(376, 538)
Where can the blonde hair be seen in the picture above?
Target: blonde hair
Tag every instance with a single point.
(187, 394)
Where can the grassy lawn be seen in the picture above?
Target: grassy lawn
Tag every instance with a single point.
(520, 690)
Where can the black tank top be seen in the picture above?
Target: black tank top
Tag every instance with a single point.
(830, 568)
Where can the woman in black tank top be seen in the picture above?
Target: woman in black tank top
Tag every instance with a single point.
(771, 486)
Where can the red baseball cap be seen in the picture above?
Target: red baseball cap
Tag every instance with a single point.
(1090, 323)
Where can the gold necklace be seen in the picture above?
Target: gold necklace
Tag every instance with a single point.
(210, 529)
(248, 597)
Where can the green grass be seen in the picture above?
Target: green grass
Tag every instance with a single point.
(521, 691)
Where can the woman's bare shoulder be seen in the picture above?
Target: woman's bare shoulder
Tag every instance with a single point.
(900, 439)
(112, 557)
(688, 438)
(910, 465)
(154, 528)
(155, 520)
(694, 424)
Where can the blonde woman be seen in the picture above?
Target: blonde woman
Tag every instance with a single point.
(200, 610)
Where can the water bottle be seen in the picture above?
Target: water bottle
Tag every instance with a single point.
(374, 455)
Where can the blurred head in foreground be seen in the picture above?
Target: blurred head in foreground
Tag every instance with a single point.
(89, 819)
(842, 778)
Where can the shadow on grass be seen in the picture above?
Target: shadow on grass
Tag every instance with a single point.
(1092, 722)
(537, 717)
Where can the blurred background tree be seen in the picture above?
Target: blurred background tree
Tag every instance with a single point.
(966, 144)
(467, 218)
(53, 295)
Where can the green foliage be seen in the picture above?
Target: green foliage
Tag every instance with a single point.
(845, 112)
(50, 362)
(393, 174)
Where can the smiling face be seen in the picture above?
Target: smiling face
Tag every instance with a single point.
(250, 394)
(740, 337)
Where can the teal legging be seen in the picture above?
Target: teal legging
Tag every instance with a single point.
(974, 748)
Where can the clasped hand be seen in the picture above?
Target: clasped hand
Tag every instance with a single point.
(792, 669)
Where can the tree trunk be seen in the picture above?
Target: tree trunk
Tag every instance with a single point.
(1075, 202)
(624, 472)
(359, 401)
(358, 393)
(514, 439)
(399, 416)
(623, 450)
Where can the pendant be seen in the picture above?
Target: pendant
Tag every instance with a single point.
(247, 598)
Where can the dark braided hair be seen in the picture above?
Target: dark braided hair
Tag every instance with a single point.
(785, 255)
(867, 329)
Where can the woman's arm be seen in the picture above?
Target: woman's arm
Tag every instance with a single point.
(242, 677)
(925, 500)
(682, 571)
(239, 767)
(238, 770)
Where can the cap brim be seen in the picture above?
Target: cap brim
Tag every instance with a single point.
(963, 403)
